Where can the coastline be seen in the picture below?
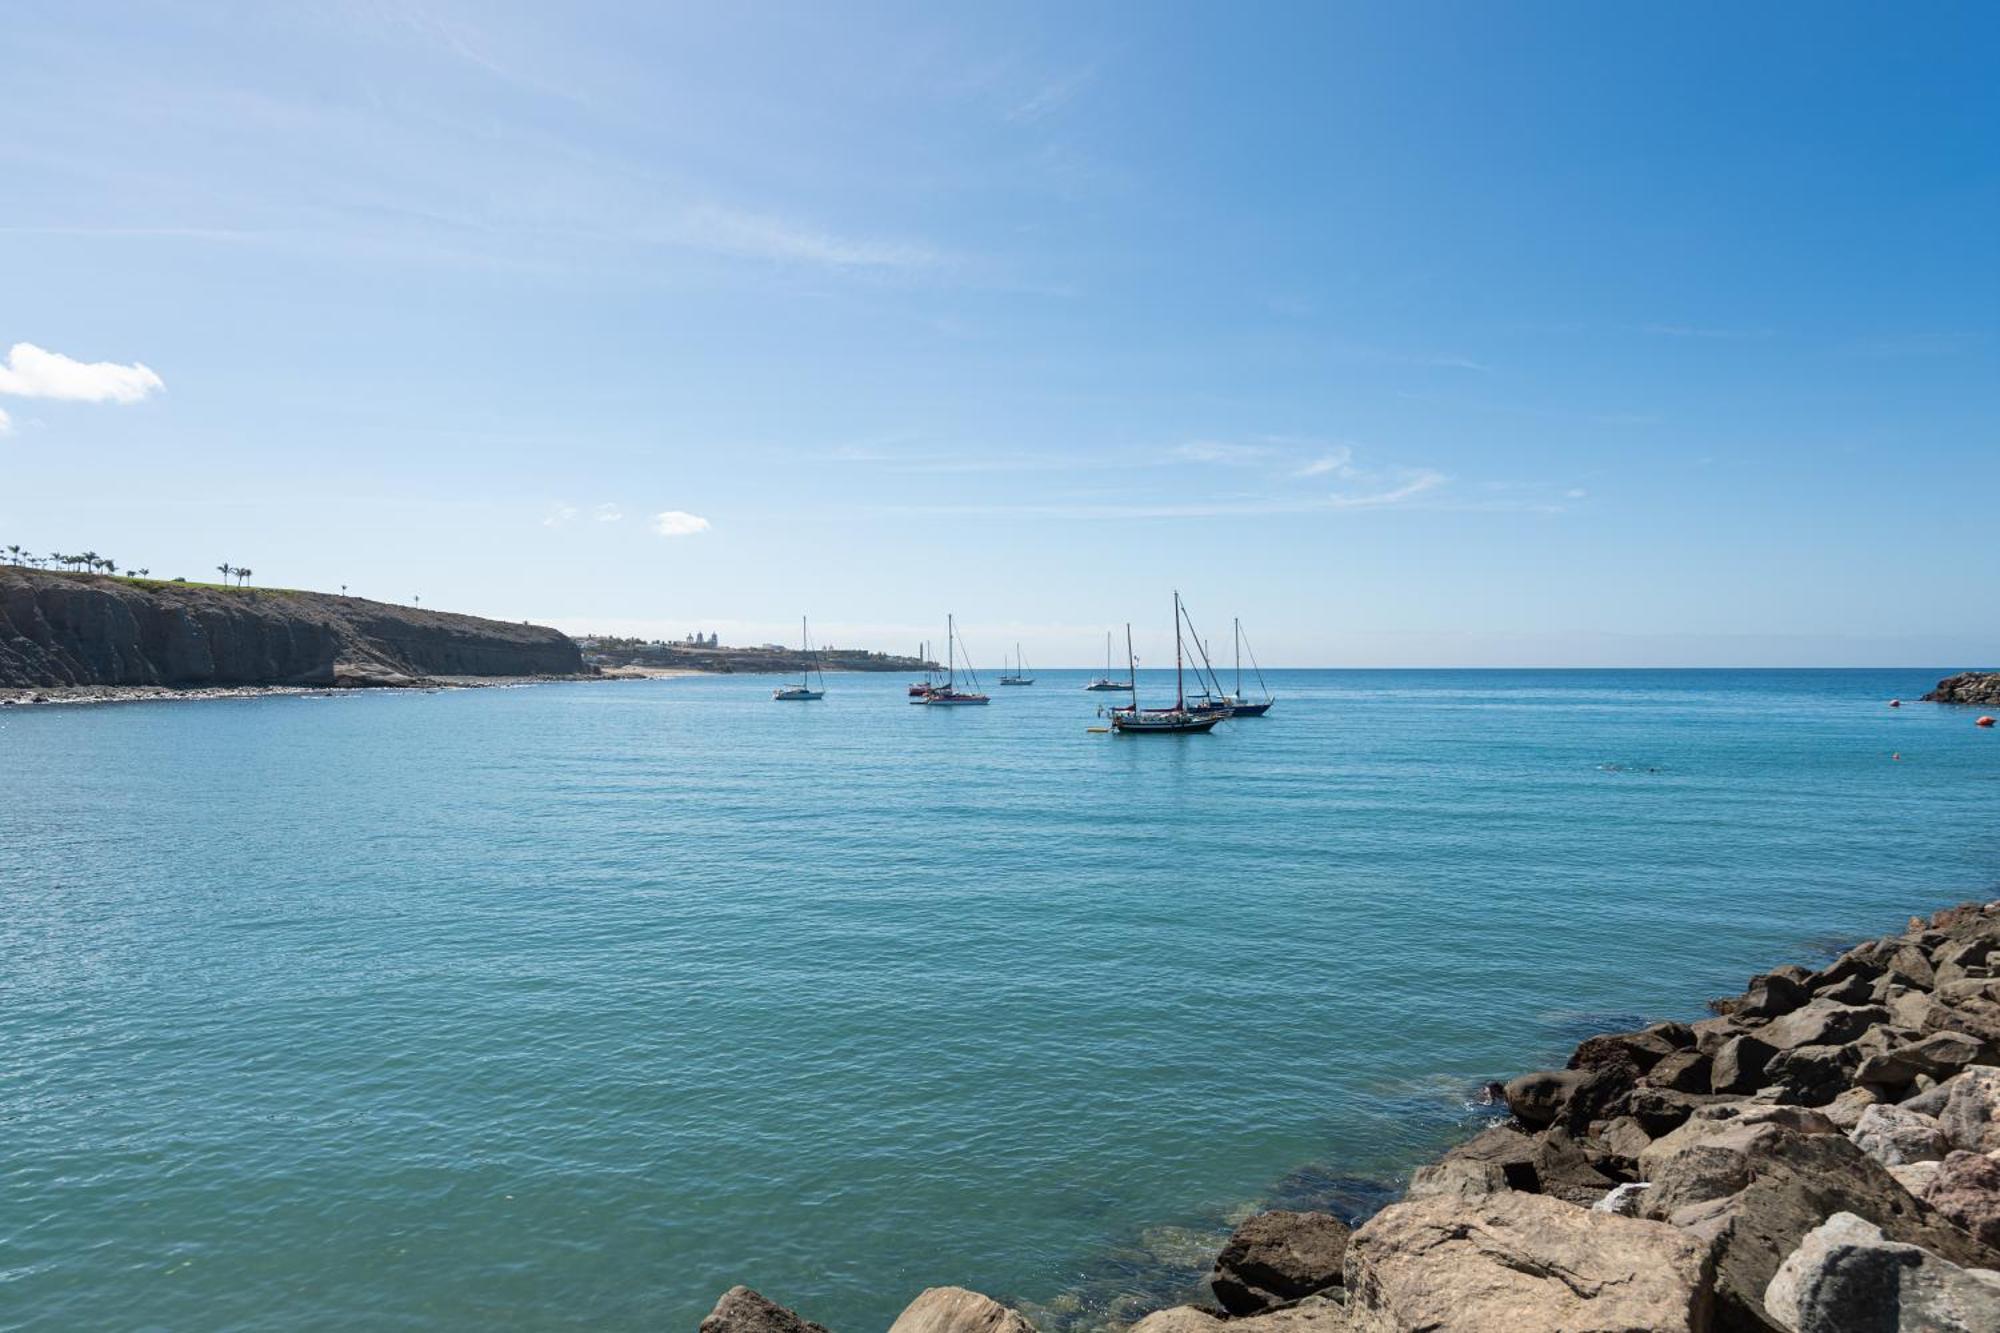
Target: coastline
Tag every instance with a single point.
(1759, 1168)
(59, 696)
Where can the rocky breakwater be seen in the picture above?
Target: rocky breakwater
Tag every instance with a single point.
(1967, 687)
(66, 630)
(1821, 1156)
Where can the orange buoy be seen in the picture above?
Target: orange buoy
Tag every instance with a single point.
(1984, 722)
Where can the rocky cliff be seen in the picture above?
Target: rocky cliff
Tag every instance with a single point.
(83, 629)
(1967, 687)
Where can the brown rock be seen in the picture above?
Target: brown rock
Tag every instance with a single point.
(956, 1310)
(1683, 1071)
(1771, 995)
(1522, 1261)
(1277, 1258)
(1966, 1190)
(1505, 1147)
(1739, 1065)
(742, 1310)
(1822, 1023)
(1793, 1182)
(1456, 1178)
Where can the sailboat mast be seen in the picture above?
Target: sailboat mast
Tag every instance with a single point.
(1180, 689)
(1236, 628)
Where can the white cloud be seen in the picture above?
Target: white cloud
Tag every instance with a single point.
(6, 424)
(679, 523)
(1576, 493)
(756, 236)
(1215, 451)
(1417, 484)
(31, 372)
(607, 513)
(559, 514)
(1339, 462)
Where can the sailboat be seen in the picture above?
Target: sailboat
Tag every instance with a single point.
(804, 691)
(1213, 698)
(948, 694)
(1238, 705)
(1104, 682)
(920, 688)
(1019, 676)
(1178, 720)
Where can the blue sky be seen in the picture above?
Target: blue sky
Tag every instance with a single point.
(1426, 334)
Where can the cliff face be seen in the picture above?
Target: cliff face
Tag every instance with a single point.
(1968, 687)
(83, 629)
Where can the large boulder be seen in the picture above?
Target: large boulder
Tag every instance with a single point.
(1938, 1056)
(1895, 1136)
(1565, 1170)
(1683, 1071)
(742, 1310)
(1537, 1099)
(1772, 995)
(1812, 1075)
(1739, 1065)
(1505, 1147)
(1966, 1189)
(956, 1310)
(1277, 1258)
(1636, 1052)
(1971, 1115)
(1719, 1119)
(1461, 1178)
(1313, 1315)
(1523, 1261)
(1847, 1277)
(1791, 1182)
(1822, 1023)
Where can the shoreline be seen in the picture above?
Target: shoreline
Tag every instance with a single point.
(1822, 1148)
(70, 696)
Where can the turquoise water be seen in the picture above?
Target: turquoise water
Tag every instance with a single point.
(573, 1005)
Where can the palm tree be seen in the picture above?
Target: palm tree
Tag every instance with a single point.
(140, 573)
(110, 566)
(227, 569)
(88, 560)
(14, 554)
(243, 573)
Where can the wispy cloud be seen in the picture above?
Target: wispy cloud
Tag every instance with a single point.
(1421, 482)
(1689, 331)
(607, 513)
(679, 523)
(1049, 98)
(730, 231)
(31, 372)
(1217, 451)
(559, 514)
(6, 424)
(1337, 462)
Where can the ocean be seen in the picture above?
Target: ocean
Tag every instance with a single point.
(573, 1005)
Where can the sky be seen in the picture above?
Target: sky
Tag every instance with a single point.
(1413, 334)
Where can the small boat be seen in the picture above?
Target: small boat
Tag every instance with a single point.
(1213, 698)
(1180, 720)
(803, 691)
(1019, 675)
(920, 688)
(1238, 705)
(948, 695)
(1104, 682)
